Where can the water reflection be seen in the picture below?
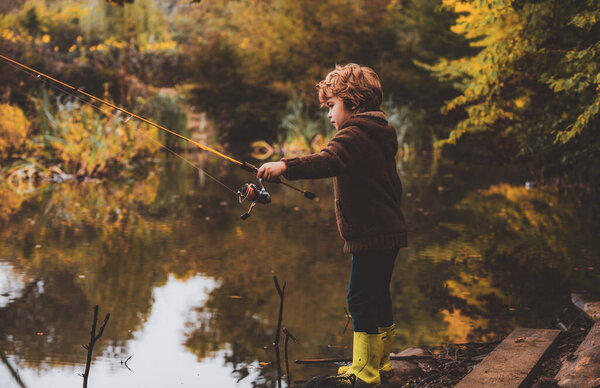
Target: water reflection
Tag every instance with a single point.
(189, 285)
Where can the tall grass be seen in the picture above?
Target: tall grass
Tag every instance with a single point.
(410, 127)
(169, 109)
(299, 133)
(86, 142)
(302, 132)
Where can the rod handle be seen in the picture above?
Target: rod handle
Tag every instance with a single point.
(310, 195)
(252, 168)
(249, 167)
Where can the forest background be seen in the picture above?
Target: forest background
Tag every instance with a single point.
(501, 92)
(503, 81)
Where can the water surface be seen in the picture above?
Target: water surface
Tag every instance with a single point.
(190, 286)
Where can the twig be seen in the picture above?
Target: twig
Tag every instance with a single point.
(478, 344)
(13, 371)
(281, 292)
(348, 319)
(432, 376)
(285, 357)
(90, 346)
(288, 335)
(125, 363)
(326, 360)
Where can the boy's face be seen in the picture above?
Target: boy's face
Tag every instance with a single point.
(338, 113)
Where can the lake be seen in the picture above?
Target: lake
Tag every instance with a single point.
(190, 289)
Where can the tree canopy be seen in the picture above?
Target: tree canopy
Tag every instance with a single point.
(536, 78)
(515, 79)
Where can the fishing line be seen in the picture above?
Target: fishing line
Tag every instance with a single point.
(206, 148)
(246, 166)
(190, 163)
(110, 114)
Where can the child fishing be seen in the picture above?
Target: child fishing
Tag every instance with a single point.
(361, 159)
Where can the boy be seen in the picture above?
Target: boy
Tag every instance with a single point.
(367, 192)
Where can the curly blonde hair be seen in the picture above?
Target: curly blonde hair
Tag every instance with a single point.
(357, 86)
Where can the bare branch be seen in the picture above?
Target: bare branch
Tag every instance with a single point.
(102, 327)
(90, 346)
(288, 335)
(281, 292)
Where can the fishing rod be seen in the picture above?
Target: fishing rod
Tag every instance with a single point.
(248, 192)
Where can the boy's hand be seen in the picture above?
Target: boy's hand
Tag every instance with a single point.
(270, 171)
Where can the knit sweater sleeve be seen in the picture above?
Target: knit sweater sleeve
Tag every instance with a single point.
(341, 154)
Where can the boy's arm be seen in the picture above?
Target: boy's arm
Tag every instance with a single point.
(341, 154)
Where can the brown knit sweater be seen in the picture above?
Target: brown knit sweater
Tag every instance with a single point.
(367, 188)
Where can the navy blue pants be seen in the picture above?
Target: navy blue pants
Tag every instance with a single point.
(369, 300)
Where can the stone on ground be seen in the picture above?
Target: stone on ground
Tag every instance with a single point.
(583, 369)
(583, 302)
(404, 368)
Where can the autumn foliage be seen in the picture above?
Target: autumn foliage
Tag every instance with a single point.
(510, 80)
(14, 128)
(534, 80)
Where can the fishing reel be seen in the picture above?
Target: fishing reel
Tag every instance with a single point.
(253, 194)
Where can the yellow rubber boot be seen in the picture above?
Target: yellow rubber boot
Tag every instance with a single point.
(366, 357)
(385, 366)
